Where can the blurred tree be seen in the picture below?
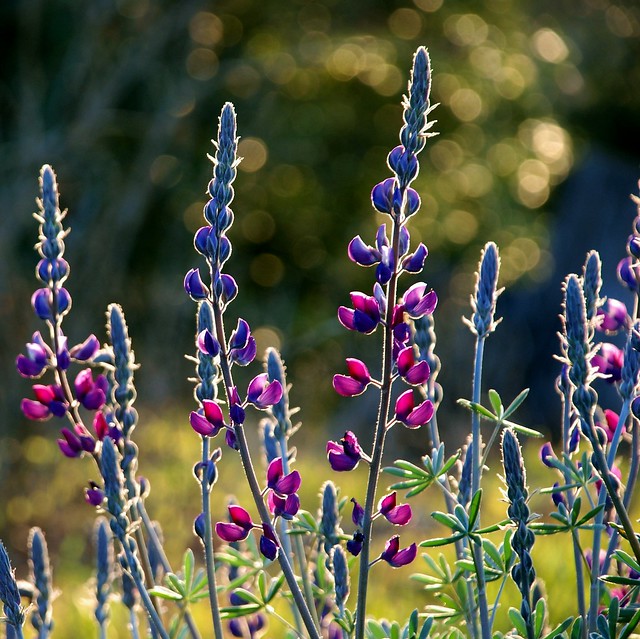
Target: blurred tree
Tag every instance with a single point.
(121, 97)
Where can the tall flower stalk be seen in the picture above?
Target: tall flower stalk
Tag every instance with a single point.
(212, 242)
(395, 198)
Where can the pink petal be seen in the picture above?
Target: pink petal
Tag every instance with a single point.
(387, 503)
(406, 359)
(358, 370)
(213, 412)
(288, 484)
(404, 557)
(418, 374)
(34, 410)
(240, 516)
(400, 515)
(404, 405)
(347, 386)
(420, 415)
(231, 532)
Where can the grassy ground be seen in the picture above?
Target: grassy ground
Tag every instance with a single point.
(168, 451)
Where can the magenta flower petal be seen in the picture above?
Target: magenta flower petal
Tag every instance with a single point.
(231, 532)
(404, 557)
(194, 285)
(417, 303)
(404, 405)
(213, 413)
(387, 503)
(410, 415)
(418, 374)
(288, 484)
(347, 386)
(345, 454)
(240, 516)
(262, 393)
(400, 515)
(201, 424)
(34, 410)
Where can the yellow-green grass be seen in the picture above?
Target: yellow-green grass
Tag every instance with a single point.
(168, 451)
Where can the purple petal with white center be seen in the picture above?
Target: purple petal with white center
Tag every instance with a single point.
(362, 253)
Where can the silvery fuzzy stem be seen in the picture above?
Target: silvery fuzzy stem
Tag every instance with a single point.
(283, 429)
(9, 593)
(564, 389)
(297, 539)
(378, 442)
(252, 480)
(41, 618)
(116, 506)
(208, 545)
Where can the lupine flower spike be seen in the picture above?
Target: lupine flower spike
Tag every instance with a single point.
(9, 594)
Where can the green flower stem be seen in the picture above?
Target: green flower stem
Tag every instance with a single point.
(476, 474)
(298, 546)
(153, 538)
(378, 441)
(208, 546)
(247, 464)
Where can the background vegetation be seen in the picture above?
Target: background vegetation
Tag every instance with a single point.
(537, 151)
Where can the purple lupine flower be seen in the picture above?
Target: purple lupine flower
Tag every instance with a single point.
(396, 557)
(43, 302)
(285, 507)
(228, 288)
(382, 195)
(85, 351)
(91, 394)
(409, 414)
(345, 454)
(199, 526)
(239, 527)
(262, 393)
(574, 438)
(211, 422)
(100, 425)
(364, 317)
(558, 496)
(414, 263)
(194, 285)
(38, 356)
(355, 382)
(397, 514)
(236, 412)
(366, 255)
(629, 273)
(50, 400)
(613, 316)
(357, 515)
(94, 495)
(417, 303)
(608, 361)
(546, 453)
(281, 484)
(414, 373)
(75, 443)
(242, 345)
(207, 343)
(354, 545)
(268, 542)
(609, 424)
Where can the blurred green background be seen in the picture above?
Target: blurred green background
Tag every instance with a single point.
(538, 150)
